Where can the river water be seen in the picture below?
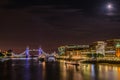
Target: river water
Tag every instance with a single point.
(31, 69)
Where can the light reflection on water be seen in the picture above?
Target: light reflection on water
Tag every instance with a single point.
(31, 69)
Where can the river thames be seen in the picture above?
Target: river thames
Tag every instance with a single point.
(31, 69)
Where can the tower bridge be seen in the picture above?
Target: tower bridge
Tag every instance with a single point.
(27, 54)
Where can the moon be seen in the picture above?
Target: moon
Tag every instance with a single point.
(110, 6)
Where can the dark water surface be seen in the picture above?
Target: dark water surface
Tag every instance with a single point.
(31, 69)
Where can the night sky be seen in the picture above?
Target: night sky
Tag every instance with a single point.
(52, 23)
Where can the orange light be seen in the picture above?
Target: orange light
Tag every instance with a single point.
(118, 52)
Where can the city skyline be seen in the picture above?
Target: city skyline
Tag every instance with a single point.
(50, 24)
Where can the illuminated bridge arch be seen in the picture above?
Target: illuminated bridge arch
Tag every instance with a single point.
(27, 51)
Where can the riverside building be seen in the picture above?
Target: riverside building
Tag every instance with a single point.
(108, 48)
(73, 50)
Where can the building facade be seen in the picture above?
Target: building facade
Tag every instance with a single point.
(111, 47)
(74, 50)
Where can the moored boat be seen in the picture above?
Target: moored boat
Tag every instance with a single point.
(50, 59)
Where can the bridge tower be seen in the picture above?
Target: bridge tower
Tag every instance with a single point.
(27, 52)
(40, 51)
